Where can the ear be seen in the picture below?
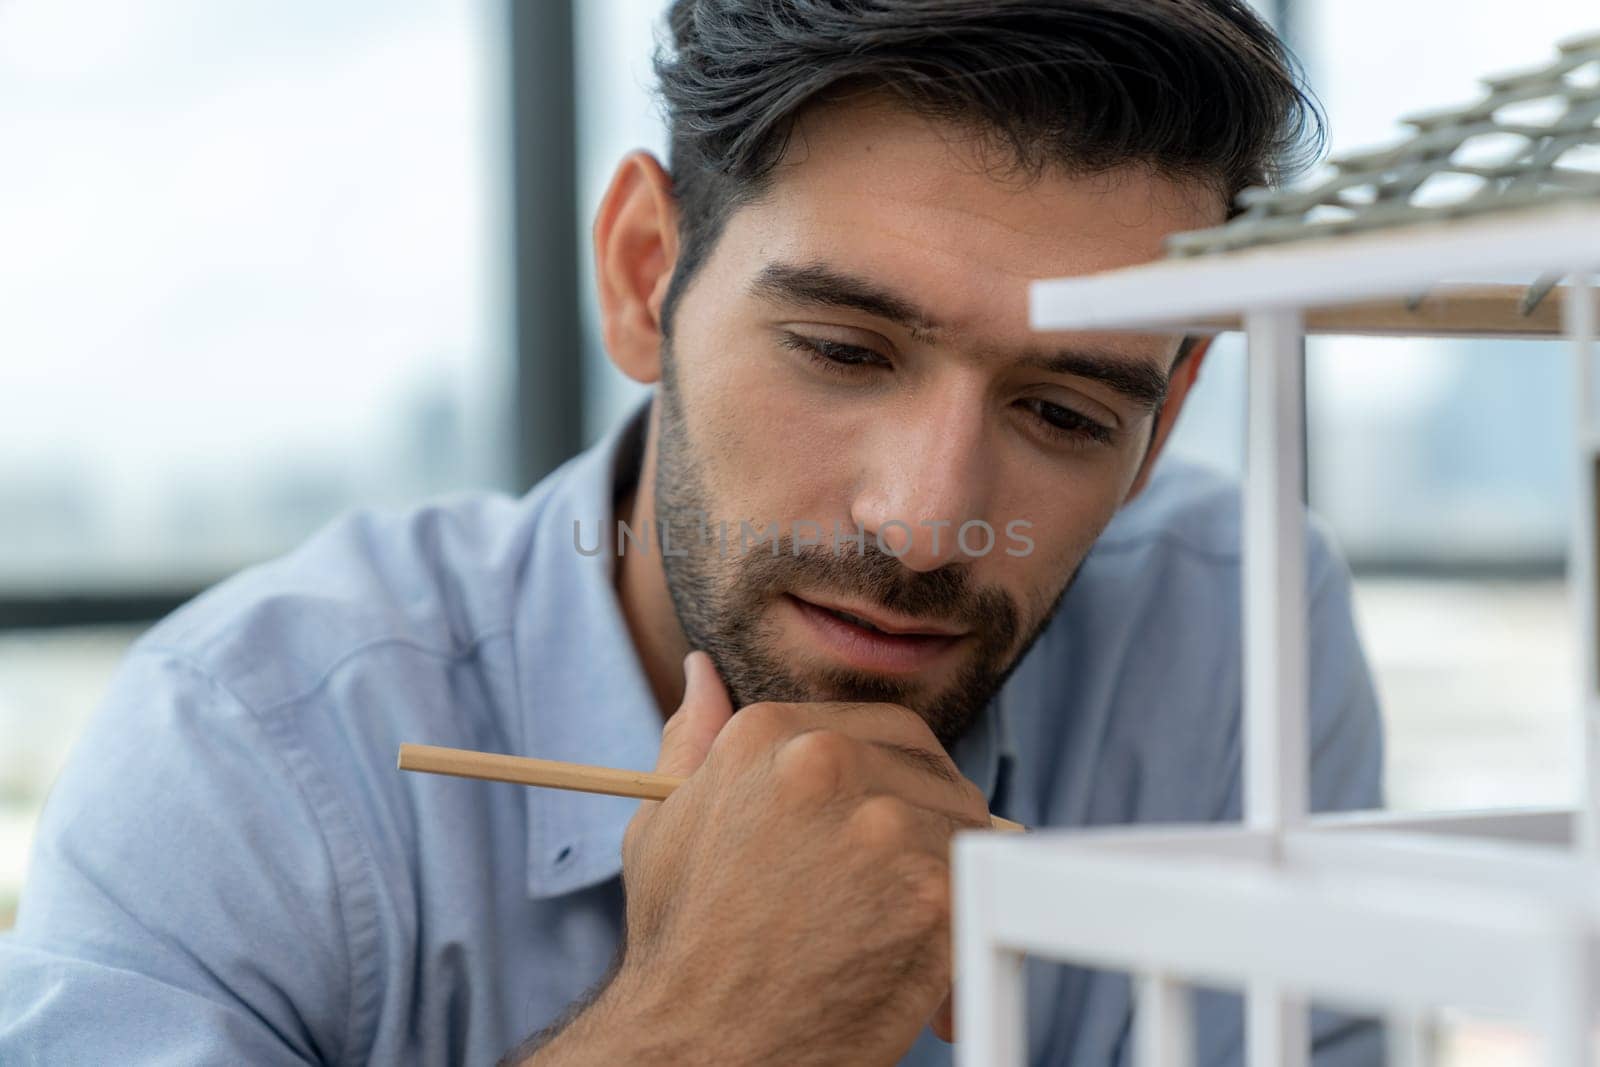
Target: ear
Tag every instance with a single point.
(1183, 377)
(635, 249)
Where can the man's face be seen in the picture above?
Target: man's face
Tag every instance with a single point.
(853, 360)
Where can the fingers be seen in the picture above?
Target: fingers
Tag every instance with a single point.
(835, 756)
(878, 722)
(706, 709)
(930, 782)
(688, 734)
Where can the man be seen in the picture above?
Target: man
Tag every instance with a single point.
(857, 503)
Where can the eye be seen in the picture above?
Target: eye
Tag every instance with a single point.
(1064, 424)
(832, 356)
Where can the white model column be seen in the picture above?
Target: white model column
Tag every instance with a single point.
(990, 1016)
(1274, 555)
(1163, 1020)
(1579, 314)
(1411, 1039)
(1275, 682)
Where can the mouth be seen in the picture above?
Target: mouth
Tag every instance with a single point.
(873, 641)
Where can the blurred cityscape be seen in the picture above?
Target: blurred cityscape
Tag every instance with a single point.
(80, 523)
(253, 274)
(76, 524)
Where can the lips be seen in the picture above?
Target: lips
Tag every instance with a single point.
(862, 641)
(878, 622)
(858, 620)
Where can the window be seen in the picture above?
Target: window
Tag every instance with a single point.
(251, 276)
(253, 273)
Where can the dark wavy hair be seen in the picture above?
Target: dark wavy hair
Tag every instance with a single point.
(1198, 89)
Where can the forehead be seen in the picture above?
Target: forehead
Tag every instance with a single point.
(874, 189)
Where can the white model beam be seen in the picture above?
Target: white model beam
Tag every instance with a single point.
(1532, 825)
(1322, 273)
(1350, 937)
(1490, 860)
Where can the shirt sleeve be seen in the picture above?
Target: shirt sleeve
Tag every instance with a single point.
(184, 898)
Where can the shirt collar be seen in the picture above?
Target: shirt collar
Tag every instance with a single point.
(584, 697)
(986, 755)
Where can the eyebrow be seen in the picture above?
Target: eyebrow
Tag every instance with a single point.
(1142, 383)
(816, 284)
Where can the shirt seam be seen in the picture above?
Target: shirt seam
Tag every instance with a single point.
(464, 651)
(344, 882)
(362, 928)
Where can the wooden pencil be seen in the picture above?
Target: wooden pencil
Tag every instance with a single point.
(555, 774)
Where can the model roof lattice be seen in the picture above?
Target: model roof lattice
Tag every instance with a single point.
(1533, 138)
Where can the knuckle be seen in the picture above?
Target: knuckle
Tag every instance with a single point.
(883, 822)
(754, 729)
(820, 748)
(769, 718)
(815, 763)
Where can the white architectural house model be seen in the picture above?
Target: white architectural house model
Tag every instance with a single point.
(1495, 913)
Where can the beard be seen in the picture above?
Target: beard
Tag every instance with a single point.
(723, 605)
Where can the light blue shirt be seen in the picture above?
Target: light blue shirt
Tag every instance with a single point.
(231, 869)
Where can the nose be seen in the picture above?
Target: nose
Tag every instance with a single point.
(927, 483)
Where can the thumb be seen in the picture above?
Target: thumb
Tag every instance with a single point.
(705, 710)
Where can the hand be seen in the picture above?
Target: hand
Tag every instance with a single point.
(790, 902)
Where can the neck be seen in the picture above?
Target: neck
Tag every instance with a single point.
(642, 592)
